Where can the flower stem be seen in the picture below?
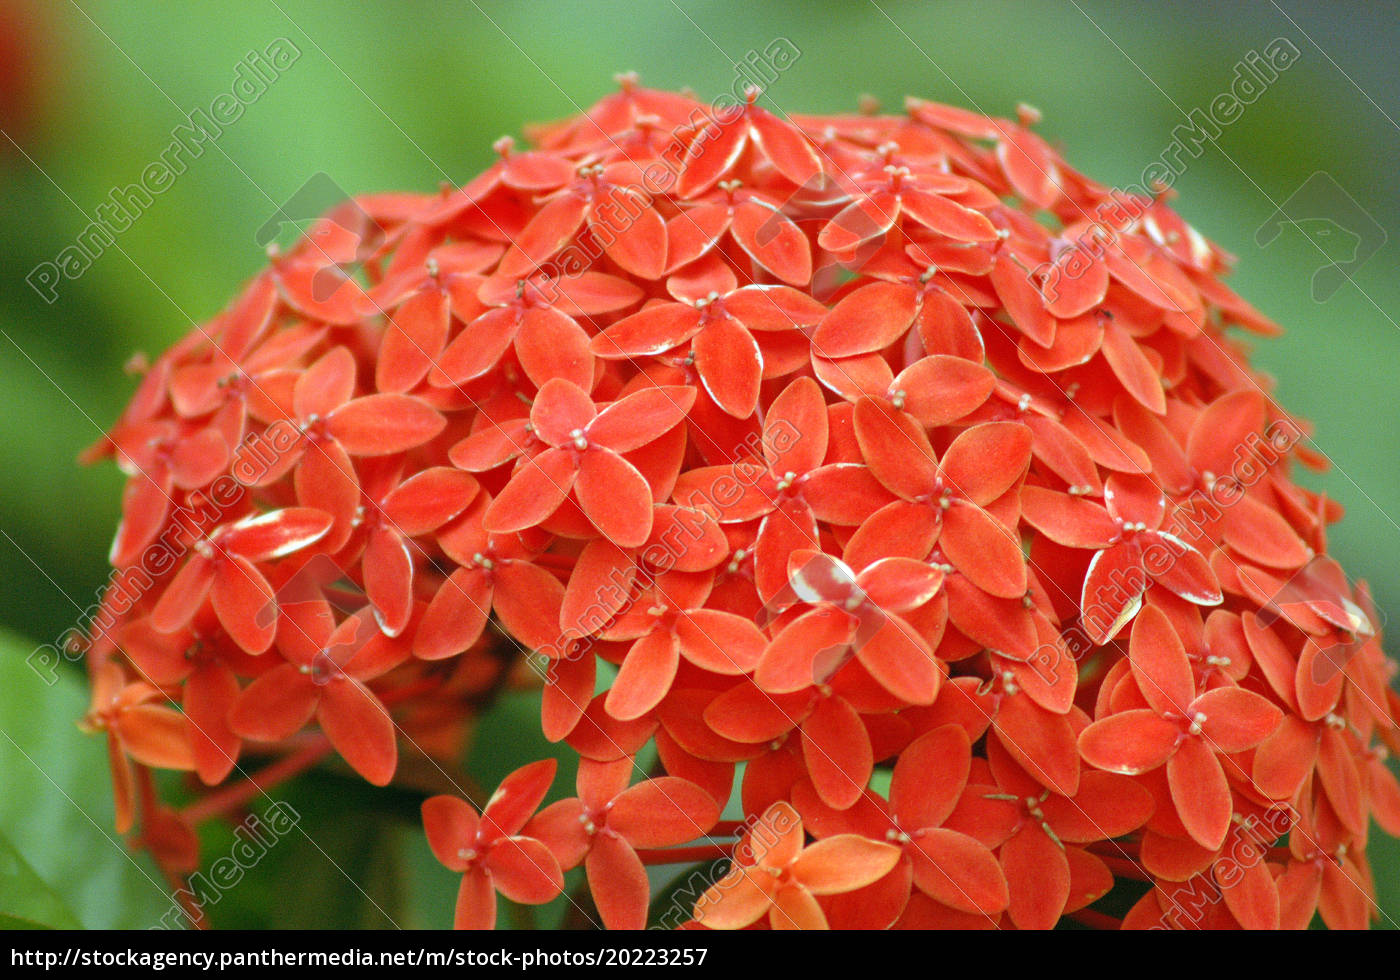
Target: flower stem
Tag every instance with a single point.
(241, 792)
(1123, 868)
(189, 905)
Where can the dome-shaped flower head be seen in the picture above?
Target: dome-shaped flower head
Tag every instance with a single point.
(879, 483)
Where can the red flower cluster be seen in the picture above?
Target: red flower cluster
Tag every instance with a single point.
(902, 492)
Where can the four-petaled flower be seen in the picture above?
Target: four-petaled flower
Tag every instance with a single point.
(584, 457)
(1181, 727)
(719, 326)
(224, 567)
(784, 876)
(152, 734)
(944, 501)
(489, 849)
(326, 675)
(855, 615)
(603, 827)
(1133, 550)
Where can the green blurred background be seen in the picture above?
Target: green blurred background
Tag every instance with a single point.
(404, 94)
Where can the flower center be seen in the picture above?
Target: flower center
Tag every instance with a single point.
(896, 834)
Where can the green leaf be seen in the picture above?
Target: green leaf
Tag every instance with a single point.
(507, 737)
(26, 900)
(56, 808)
